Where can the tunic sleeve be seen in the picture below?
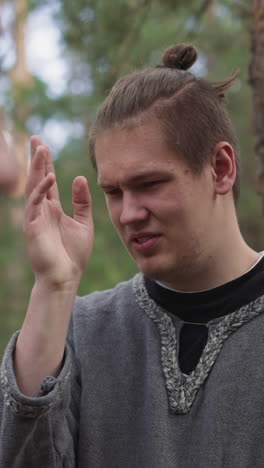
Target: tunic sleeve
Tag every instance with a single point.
(42, 431)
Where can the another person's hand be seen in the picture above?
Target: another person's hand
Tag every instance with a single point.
(9, 169)
(59, 246)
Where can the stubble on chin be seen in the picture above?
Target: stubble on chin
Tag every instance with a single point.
(176, 275)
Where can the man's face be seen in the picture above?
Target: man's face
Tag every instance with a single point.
(162, 211)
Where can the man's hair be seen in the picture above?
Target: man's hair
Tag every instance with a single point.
(190, 110)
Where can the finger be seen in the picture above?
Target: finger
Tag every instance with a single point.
(37, 169)
(49, 167)
(35, 141)
(82, 201)
(36, 198)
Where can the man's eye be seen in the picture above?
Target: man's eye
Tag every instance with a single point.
(152, 183)
(113, 192)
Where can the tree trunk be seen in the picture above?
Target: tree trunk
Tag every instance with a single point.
(256, 79)
(20, 76)
(208, 8)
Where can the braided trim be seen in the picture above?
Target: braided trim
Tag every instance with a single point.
(21, 404)
(20, 408)
(182, 389)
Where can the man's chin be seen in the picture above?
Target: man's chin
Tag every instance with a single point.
(153, 271)
(155, 266)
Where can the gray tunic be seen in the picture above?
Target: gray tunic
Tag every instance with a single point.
(121, 400)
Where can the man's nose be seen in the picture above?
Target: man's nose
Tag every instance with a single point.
(132, 210)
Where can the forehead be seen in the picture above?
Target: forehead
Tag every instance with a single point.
(133, 152)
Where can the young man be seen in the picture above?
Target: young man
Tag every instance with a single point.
(165, 370)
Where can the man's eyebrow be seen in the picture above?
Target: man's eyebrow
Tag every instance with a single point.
(135, 178)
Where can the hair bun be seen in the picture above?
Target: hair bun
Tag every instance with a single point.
(180, 56)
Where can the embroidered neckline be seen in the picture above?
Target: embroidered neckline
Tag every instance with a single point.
(181, 388)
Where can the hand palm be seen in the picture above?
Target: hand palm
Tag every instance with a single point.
(59, 246)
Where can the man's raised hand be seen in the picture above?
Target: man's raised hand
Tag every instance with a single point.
(59, 246)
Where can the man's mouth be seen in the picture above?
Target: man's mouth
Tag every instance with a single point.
(145, 242)
(141, 240)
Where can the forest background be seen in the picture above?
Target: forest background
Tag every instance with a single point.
(102, 40)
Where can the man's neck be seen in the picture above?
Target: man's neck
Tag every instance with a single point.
(230, 260)
(260, 256)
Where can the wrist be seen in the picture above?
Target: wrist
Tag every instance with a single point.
(49, 310)
(46, 323)
(49, 285)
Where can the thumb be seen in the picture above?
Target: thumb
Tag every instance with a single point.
(82, 201)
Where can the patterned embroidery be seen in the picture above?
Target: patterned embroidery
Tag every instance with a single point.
(182, 389)
(28, 411)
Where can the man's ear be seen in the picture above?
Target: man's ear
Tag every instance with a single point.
(223, 167)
